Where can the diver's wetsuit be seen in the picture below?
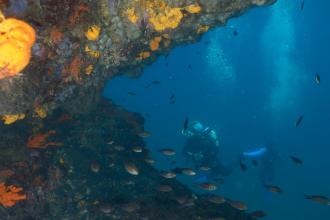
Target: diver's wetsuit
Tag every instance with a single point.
(201, 145)
(202, 148)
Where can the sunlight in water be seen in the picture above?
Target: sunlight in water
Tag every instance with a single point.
(219, 68)
(278, 44)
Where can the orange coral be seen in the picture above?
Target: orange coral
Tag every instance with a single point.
(10, 195)
(16, 41)
(154, 44)
(162, 16)
(143, 55)
(40, 140)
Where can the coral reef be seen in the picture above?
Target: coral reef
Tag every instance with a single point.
(16, 41)
(10, 195)
(9, 119)
(60, 140)
(95, 174)
(106, 37)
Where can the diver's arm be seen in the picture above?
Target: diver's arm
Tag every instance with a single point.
(214, 137)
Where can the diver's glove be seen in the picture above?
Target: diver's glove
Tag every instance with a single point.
(256, 153)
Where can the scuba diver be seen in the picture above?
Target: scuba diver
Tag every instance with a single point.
(202, 148)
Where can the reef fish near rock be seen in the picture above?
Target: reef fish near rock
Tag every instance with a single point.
(296, 160)
(131, 169)
(207, 186)
(145, 134)
(185, 171)
(317, 78)
(167, 152)
(298, 121)
(238, 205)
(318, 199)
(216, 199)
(168, 174)
(258, 214)
(242, 165)
(302, 6)
(165, 188)
(273, 189)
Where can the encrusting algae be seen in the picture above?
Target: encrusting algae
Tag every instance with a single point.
(154, 44)
(40, 141)
(10, 119)
(160, 15)
(41, 112)
(193, 9)
(16, 41)
(93, 33)
(202, 29)
(89, 69)
(131, 15)
(92, 53)
(10, 195)
(143, 55)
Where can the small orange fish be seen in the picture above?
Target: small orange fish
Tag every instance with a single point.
(168, 174)
(273, 189)
(145, 134)
(167, 152)
(258, 214)
(188, 172)
(296, 160)
(204, 168)
(95, 167)
(208, 186)
(319, 199)
(137, 149)
(131, 169)
(216, 199)
(130, 207)
(149, 160)
(184, 200)
(238, 205)
(165, 188)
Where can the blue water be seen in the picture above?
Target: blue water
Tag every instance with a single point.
(250, 88)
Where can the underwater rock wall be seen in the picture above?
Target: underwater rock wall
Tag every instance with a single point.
(57, 163)
(85, 167)
(82, 43)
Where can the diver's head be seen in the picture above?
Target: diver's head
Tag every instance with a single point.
(194, 128)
